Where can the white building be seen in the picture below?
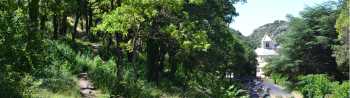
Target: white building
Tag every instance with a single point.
(267, 49)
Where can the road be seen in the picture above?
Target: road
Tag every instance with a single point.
(257, 89)
(276, 90)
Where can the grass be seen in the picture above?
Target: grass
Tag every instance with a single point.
(47, 94)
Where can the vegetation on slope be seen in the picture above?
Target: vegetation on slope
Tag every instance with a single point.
(274, 29)
(129, 48)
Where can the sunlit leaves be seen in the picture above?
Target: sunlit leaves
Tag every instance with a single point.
(128, 46)
(132, 15)
(343, 29)
(342, 90)
(190, 35)
(197, 2)
(121, 19)
(150, 13)
(343, 24)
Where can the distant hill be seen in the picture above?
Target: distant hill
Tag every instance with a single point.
(237, 34)
(273, 29)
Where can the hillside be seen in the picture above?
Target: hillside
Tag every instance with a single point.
(274, 29)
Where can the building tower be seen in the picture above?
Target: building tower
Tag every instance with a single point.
(266, 50)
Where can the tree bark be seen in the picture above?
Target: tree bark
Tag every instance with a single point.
(43, 20)
(55, 26)
(89, 22)
(63, 26)
(172, 62)
(86, 14)
(153, 58)
(112, 5)
(33, 18)
(119, 54)
(75, 27)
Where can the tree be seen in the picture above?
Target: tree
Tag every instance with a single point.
(341, 50)
(185, 42)
(307, 45)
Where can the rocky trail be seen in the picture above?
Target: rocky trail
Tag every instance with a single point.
(87, 89)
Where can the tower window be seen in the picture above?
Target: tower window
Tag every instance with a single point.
(267, 45)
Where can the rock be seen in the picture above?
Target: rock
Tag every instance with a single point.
(87, 90)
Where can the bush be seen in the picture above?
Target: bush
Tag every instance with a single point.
(56, 76)
(60, 80)
(207, 85)
(342, 90)
(234, 91)
(102, 73)
(11, 84)
(280, 80)
(315, 86)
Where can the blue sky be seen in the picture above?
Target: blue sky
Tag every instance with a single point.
(256, 13)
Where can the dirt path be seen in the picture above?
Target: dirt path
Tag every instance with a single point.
(276, 90)
(86, 88)
(258, 88)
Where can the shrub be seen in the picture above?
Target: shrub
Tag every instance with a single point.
(315, 86)
(342, 90)
(280, 80)
(11, 84)
(102, 73)
(54, 75)
(234, 91)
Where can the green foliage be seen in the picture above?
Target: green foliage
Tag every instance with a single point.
(280, 80)
(11, 85)
(57, 77)
(307, 55)
(175, 29)
(341, 50)
(21, 56)
(315, 86)
(307, 45)
(102, 73)
(342, 90)
(139, 16)
(343, 20)
(319, 86)
(235, 92)
(180, 44)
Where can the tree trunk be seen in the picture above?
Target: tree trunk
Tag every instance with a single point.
(162, 51)
(110, 40)
(55, 26)
(153, 59)
(86, 14)
(119, 54)
(172, 63)
(134, 56)
(42, 22)
(33, 18)
(63, 26)
(112, 5)
(90, 23)
(134, 53)
(75, 27)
